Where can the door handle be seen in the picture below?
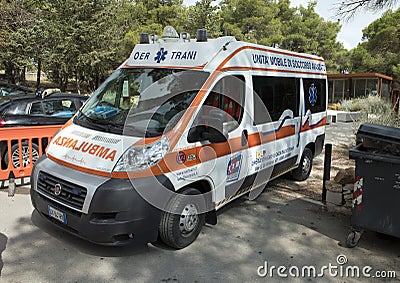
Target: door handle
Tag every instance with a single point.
(245, 137)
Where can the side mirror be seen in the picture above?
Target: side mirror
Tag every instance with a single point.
(211, 128)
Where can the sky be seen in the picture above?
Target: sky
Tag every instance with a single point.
(351, 32)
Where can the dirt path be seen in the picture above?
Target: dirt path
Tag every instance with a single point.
(342, 138)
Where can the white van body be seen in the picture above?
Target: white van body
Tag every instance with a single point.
(112, 175)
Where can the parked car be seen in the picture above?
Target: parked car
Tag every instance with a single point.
(11, 89)
(34, 110)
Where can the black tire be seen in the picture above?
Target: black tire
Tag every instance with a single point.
(302, 172)
(181, 229)
(25, 154)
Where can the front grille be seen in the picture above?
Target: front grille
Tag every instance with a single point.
(71, 194)
(61, 207)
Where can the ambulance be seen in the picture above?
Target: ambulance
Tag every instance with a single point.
(183, 127)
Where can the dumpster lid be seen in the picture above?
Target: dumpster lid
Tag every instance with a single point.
(380, 138)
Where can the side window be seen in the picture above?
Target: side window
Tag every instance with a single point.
(315, 94)
(277, 94)
(36, 108)
(228, 95)
(59, 108)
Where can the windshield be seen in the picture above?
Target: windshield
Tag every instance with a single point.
(141, 102)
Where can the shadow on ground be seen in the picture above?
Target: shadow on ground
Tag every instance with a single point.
(284, 231)
(3, 244)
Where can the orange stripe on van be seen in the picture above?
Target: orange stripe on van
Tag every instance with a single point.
(69, 123)
(153, 171)
(201, 154)
(211, 151)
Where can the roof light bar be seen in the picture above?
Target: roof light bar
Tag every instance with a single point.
(201, 35)
(144, 38)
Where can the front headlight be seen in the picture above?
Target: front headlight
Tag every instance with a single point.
(142, 157)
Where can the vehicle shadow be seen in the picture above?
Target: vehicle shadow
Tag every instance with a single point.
(3, 244)
(83, 245)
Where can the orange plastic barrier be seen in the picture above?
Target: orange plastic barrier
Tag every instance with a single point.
(20, 147)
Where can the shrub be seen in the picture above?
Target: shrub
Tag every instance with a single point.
(378, 111)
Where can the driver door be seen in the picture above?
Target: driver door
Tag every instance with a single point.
(226, 161)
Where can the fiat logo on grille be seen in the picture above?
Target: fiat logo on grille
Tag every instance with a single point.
(57, 189)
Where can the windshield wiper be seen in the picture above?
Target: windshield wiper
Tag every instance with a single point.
(108, 126)
(89, 122)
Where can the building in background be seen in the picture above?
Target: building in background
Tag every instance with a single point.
(349, 86)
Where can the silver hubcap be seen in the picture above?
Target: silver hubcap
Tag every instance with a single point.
(25, 156)
(189, 219)
(306, 165)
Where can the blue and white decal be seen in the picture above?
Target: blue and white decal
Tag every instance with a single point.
(233, 169)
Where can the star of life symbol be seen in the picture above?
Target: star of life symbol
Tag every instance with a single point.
(312, 94)
(161, 55)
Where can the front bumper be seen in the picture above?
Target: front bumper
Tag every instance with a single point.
(115, 213)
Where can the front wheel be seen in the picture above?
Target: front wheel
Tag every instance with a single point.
(302, 172)
(180, 229)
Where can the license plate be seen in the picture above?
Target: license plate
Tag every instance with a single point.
(56, 214)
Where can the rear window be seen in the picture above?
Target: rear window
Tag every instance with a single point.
(12, 107)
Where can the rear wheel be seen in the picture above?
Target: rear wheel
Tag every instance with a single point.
(25, 155)
(302, 172)
(180, 229)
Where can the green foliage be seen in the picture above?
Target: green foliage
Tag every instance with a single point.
(380, 51)
(16, 22)
(203, 16)
(275, 22)
(82, 41)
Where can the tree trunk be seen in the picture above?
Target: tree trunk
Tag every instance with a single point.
(22, 75)
(64, 83)
(9, 73)
(39, 71)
